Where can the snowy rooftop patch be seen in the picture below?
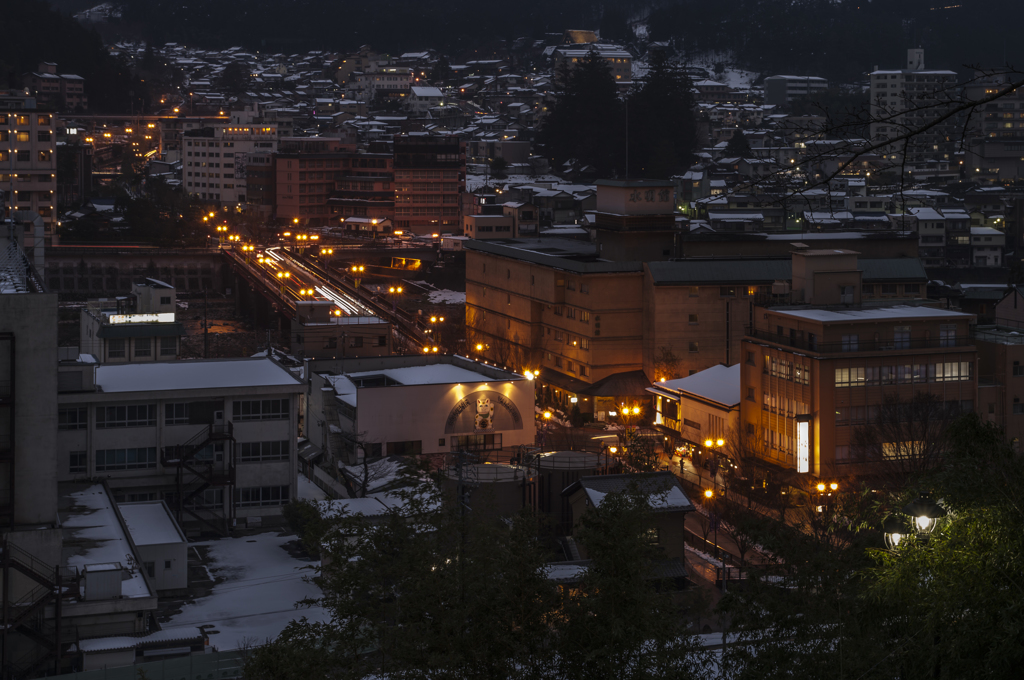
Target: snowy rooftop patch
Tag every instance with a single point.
(719, 383)
(193, 375)
(106, 644)
(93, 532)
(150, 523)
(875, 314)
(446, 297)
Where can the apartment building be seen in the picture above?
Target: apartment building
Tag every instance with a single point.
(323, 180)
(28, 164)
(59, 91)
(214, 439)
(135, 328)
(1001, 379)
(215, 159)
(944, 234)
(905, 99)
(430, 177)
(317, 332)
(782, 90)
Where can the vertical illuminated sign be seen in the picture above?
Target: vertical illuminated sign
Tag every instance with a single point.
(803, 446)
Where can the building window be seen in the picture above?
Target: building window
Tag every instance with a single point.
(694, 347)
(901, 337)
(584, 316)
(78, 461)
(693, 319)
(694, 291)
(116, 349)
(165, 300)
(750, 394)
(850, 343)
(143, 347)
(750, 359)
(262, 452)
(727, 291)
(139, 415)
(557, 311)
(265, 409)
(175, 414)
(72, 418)
(477, 442)
(410, 448)
(947, 335)
(912, 288)
(257, 496)
(558, 362)
(168, 347)
(889, 289)
(125, 459)
(584, 371)
(585, 343)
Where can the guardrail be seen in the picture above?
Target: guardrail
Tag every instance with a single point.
(219, 665)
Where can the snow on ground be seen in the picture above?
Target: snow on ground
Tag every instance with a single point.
(736, 78)
(446, 297)
(257, 597)
(308, 491)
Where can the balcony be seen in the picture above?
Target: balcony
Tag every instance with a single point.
(813, 345)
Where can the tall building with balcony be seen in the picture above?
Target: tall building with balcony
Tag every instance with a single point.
(814, 373)
(430, 177)
(28, 163)
(904, 100)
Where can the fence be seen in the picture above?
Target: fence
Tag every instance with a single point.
(327, 484)
(209, 666)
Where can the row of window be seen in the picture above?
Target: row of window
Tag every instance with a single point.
(144, 415)
(24, 156)
(784, 406)
(21, 119)
(571, 340)
(569, 365)
(787, 370)
(122, 459)
(262, 452)
(572, 313)
(117, 348)
(904, 374)
(41, 136)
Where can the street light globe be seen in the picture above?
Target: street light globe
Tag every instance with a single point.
(833, 486)
(547, 414)
(895, 529)
(821, 487)
(720, 442)
(708, 493)
(926, 514)
(708, 443)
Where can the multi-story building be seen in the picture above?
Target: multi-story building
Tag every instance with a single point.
(323, 180)
(214, 154)
(987, 247)
(904, 100)
(598, 330)
(318, 333)
(430, 177)
(64, 92)
(139, 327)
(944, 235)
(618, 59)
(814, 374)
(782, 90)
(1001, 379)
(28, 163)
(215, 439)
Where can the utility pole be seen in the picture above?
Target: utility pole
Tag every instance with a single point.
(206, 327)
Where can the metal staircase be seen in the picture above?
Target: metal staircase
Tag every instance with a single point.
(30, 639)
(197, 469)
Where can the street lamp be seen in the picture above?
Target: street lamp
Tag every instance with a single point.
(710, 496)
(394, 291)
(920, 517)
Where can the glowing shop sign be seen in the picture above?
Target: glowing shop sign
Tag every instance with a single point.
(162, 317)
(803, 446)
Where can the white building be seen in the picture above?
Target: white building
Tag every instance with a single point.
(215, 156)
(987, 247)
(423, 98)
(215, 439)
(412, 405)
(904, 99)
(160, 543)
(139, 327)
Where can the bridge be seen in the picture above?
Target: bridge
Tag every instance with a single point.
(284, 277)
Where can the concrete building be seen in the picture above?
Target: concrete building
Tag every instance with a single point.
(618, 59)
(782, 90)
(415, 405)
(987, 247)
(905, 99)
(161, 545)
(215, 156)
(421, 99)
(430, 177)
(215, 439)
(140, 327)
(58, 91)
(812, 375)
(484, 227)
(635, 219)
(28, 164)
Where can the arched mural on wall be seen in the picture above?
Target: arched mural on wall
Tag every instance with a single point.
(483, 411)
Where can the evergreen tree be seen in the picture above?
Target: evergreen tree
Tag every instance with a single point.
(586, 123)
(662, 128)
(737, 146)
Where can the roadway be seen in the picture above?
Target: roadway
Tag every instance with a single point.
(288, 278)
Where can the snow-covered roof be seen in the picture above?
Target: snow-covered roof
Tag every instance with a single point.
(719, 383)
(96, 533)
(873, 314)
(434, 374)
(193, 375)
(150, 523)
(108, 644)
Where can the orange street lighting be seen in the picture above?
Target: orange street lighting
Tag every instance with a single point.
(833, 486)
(547, 415)
(720, 442)
(708, 493)
(287, 233)
(821, 488)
